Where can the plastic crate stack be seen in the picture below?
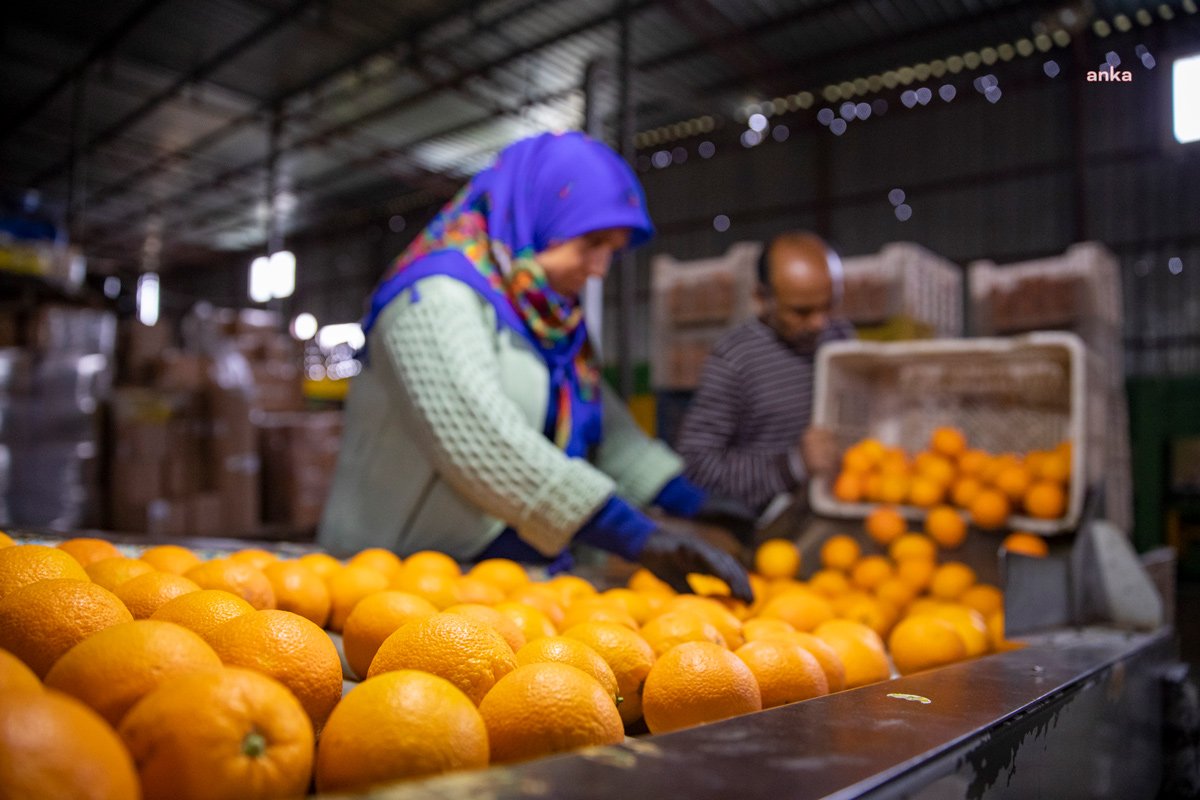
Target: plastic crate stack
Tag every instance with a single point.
(694, 303)
(903, 292)
(1078, 291)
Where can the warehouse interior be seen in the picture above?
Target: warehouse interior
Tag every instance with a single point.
(197, 200)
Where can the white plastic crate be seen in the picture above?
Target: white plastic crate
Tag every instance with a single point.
(904, 280)
(1016, 394)
(693, 304)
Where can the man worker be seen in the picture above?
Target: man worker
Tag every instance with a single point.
(746, 436)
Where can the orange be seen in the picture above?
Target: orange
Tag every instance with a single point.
(542, 598)
(300, 590)
(23, 564)
(875, 613)
(628, 655)
(144, 594)
(644, 581)
(860, 650)
(41, 621)
(532, 622)
(1027, 544)
(1014, 481)
(948, 442)
(896, 592)
(912, 545)
(88, 551)
(724, 620)
(996, 465)
(245, 581)
(695, 683)
(968, 623)
(493, 619)
(925, 492)
(924, 605)
(1045, 500)
(170, 558)
(1056, 466)
(570, 588)
(253, 556)
(893, 488)
(946, 527)
(766, 628)
(923, 642)
(502, 573)
(321, 563)
(964, 490)
(347, 587)
(15, 676)
(803, 610)
(565, 650)
(431, 561)
(849, 487)
(895, 461)
(829, 582)
(857, 460)
(870, 571)
(951, 580)
(544, 708)
(785, 671)
(382, 561)
(936, 468)
(872, 483)
(53, 746)
(112, 572)
(984, 598)
(885, 524)
(375, 618)
(114, 668)
(595, 609)
(437, 587)
(203, 611)
(6, 540)
(989, 508)
(474, 590)
(996, 633)
(826, 656)
(399, 725)
(777, 558)
(467, 653)
(290, 649)
(916, 572)
(972, 462)
(636, 605)
(708, 585)
(223, 734)
(676, 627)
(840, 552)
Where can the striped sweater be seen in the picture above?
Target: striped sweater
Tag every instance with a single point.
(752, 405)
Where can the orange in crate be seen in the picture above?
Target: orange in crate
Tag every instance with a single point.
(1027, 544)
(989, 508)
(885, 525)
(948, 442)
(946, 527)
(1045, 500)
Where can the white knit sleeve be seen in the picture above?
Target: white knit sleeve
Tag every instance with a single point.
(439, 342)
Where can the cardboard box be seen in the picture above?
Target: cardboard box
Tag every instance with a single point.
(299, 457)
(165, 517)
(238, 468)
(204, 514)
(178, 371)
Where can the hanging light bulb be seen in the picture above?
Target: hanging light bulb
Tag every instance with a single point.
(147, 299)
(260, 280)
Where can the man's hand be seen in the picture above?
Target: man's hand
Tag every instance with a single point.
(671, 556)
(818, 448)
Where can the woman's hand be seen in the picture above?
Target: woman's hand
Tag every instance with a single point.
(671, 556)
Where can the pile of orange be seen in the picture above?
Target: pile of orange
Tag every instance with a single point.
(948, 472)
(219, 678)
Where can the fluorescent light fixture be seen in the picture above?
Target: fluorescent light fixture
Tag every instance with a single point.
(147, 299)
(304, 326)
(260, 280)
(349, 333)
(282, 268)
(1185, 98)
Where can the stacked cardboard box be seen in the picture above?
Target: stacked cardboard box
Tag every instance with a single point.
(192, 441)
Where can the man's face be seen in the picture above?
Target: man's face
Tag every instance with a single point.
(800, 297)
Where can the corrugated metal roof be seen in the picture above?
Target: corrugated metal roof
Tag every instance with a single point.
(386, 102)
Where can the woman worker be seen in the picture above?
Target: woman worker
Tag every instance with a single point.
(479, 425)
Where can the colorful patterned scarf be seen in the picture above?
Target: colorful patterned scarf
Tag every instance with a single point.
(540, 192)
